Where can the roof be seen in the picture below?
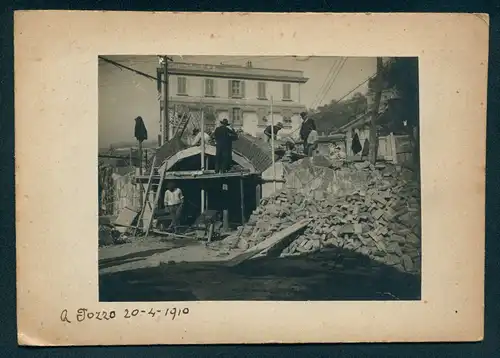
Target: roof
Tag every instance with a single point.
(169, 149)
(256, 150)
(236, 72)
(331, 138)
(357, 122)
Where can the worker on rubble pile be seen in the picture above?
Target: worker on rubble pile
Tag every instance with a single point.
(307, 126)
(174, 202)
(336, 152)
(312, 143)
(197, 137)
(275, 129)
(224, 136)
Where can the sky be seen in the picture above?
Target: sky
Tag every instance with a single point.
(123, 94)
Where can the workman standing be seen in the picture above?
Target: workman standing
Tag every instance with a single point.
(224, 136)
(312, 143)
(307, 126)
(275, 129)
(174, 202)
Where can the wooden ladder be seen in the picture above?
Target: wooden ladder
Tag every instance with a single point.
(156, 200)
(145, 200)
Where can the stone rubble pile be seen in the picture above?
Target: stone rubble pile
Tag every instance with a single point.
(380, 219)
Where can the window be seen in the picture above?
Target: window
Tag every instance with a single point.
(209, 88)
(287, 91)
(181, 85)
(261, 90)
(262, 114)
(236, 89)
(237, 117)
(287, 117)
(209, 117)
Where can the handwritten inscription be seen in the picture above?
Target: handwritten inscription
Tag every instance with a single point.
(84, 314)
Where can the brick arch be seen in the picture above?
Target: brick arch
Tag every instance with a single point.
(210, 150)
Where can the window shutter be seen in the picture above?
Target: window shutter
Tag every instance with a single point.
(185, 85)
(230, 113)
(215, 87)
(229, 93)
(203, 87)
(243, 89)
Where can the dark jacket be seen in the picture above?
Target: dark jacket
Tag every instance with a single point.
(306, 128)
(224, 137)
(140, 131)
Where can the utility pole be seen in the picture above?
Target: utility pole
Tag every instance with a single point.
(166, 124)
(374, 112)
(272, 144)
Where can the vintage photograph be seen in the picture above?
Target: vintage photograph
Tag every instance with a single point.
(258, 178)
(241, 178)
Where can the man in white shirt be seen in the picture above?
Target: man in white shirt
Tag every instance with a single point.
(312, 142)
(196, 141)
(174, 202)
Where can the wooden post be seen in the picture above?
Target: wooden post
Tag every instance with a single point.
(202, 157)
(140, 157)
(272, 144)
(374, 112)
(225, 220)
(258, 193)
(242, 201)
(141, 187)
(225, 212)
(166, 124)
(392, 140)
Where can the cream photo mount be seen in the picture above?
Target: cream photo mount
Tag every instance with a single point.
(56, 78)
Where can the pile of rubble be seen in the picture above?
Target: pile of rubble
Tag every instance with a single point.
(380, 219)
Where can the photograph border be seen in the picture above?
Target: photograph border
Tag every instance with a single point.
(453, 89)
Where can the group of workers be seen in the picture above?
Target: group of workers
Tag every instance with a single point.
(307, 133)
(224, 136)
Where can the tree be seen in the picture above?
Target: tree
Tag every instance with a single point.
(377, 94)
(336, 114)
(401, 73)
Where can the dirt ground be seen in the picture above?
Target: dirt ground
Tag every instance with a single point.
(158, 269)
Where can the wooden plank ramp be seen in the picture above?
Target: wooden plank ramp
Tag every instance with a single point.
(269, 243)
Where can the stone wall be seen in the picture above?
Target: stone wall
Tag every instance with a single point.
(311, 174)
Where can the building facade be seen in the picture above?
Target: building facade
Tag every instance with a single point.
(242, 94)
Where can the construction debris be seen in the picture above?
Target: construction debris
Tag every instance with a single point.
(378, 218)
(271, 242)
(109, 235)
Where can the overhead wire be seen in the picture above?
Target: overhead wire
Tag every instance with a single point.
(335, 62)
(343, 97)
(333, 80)
(117, 64)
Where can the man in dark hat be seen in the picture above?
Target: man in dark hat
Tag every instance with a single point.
(224, 136)
(275, 129)
(305, 129)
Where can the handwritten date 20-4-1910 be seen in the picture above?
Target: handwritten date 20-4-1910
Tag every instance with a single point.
(84, 314)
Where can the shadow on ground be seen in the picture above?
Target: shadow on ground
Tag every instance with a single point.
(333, 274)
